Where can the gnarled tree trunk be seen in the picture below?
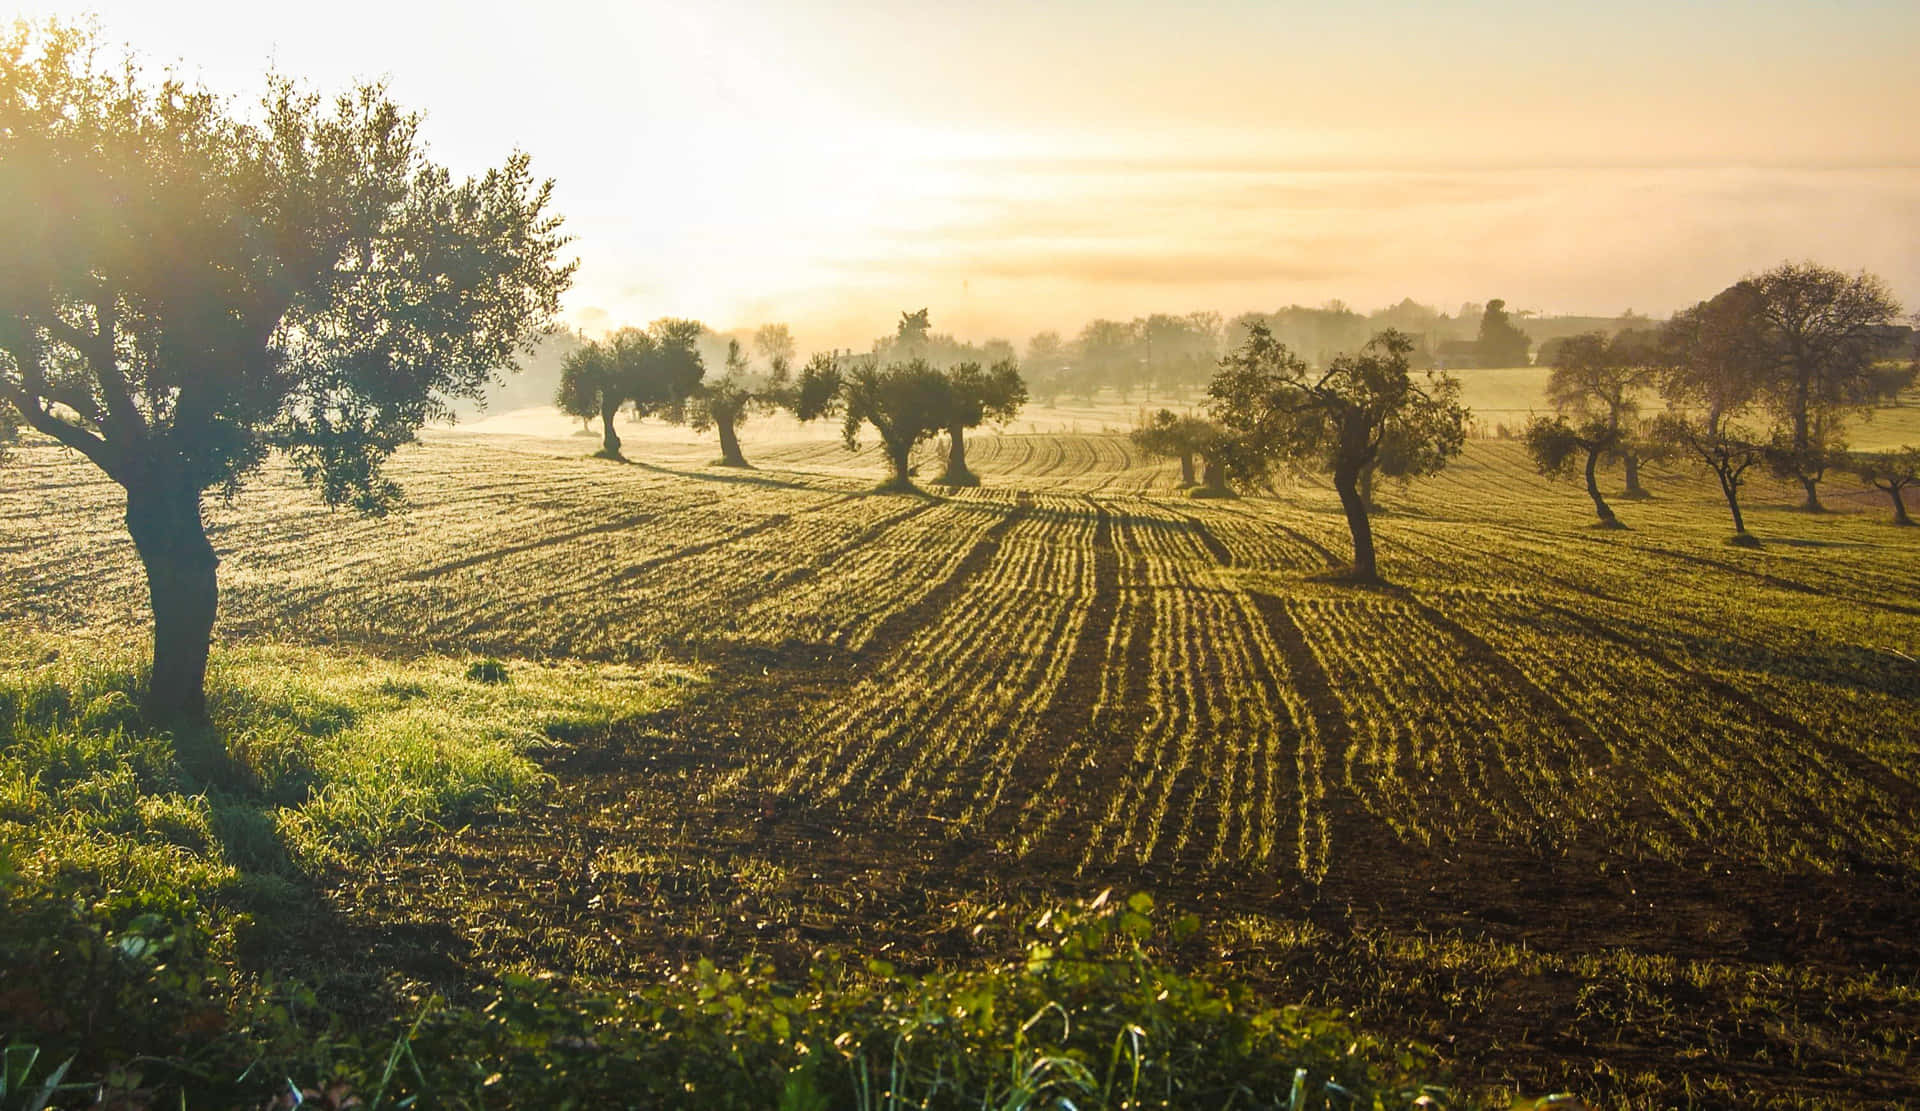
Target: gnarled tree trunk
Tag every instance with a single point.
(1634, 489)
(1346, 481)
(730, 455)
(1213, 479)
(1812, 486)
(163, 516)
(1895, 491)
(609, 440)
(1186, 468)
(957, 473)
(1600, 506)
(1731, 490)
(899, 464)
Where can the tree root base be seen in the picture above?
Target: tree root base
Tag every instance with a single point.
(1743, 540)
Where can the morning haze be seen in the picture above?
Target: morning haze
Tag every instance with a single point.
(855, 556)
(1023, 167)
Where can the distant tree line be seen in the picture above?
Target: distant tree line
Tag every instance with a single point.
(1767, 375)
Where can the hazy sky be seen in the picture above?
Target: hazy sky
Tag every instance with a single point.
(1016, 166)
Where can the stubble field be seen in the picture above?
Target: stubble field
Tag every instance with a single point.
(1632, 813)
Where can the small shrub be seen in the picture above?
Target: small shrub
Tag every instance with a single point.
(488, 671)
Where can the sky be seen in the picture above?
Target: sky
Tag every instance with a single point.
(1021, 166)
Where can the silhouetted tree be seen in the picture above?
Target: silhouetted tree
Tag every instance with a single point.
(905, 402)
(1715, 370)
(597, 381)
(1601, 379)
(187, 290)
(1500, 342)
(1047, 358)
(1554, 444)
(723, 404)
(1267, 398)
(1892, 471)
(1819, 330)
(1173, 436)
(774, 344)
(975, 396)
(655, 371)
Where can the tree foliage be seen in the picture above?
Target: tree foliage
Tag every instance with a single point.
(976, 395)
(1337, 420)
(1818, 333)
(1501, 343)
(189, 288)
(654, 371)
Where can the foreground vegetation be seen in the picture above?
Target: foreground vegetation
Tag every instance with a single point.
(148, 879)
(1628, 812)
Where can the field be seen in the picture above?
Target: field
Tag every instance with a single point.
(1634, 814)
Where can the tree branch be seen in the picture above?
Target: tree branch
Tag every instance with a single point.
(71, 435)
(98, 351)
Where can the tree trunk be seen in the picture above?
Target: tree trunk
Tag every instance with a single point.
(1600, 506)
(1899, 504)
(898, 464)
(1347, 483)
(1731, 489)
(1634, 489)
(1186, 468)
(609, 440)
(1812, 487)
(1366, 487)
(163, 516)
(729, 445)
(957, 473)
(1213, 479)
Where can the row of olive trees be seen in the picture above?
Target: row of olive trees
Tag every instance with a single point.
(897, 389)
(1767, 374)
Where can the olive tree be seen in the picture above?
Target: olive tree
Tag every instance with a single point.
(1892, 472)
(1173, 436)
(1337, 419)
(600, 378)
(724, 403)
(975, 396)
(1715, 372)
(906, 402)
(1601, 380)
(190, 288)
(1818, 332)
(1555, 444)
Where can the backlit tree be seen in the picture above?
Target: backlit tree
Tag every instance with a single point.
(189, 288)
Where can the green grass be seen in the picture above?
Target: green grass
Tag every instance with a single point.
(138, 867)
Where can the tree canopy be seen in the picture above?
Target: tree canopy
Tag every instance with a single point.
(654, 371)
(1501, 343)
(190, 288)
(1818, 331)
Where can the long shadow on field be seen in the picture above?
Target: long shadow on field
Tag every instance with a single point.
(735, 478)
